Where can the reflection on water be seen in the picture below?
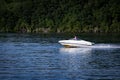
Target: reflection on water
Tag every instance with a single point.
(75, 50)
(76, 58)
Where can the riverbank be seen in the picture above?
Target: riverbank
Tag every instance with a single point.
(60, 30)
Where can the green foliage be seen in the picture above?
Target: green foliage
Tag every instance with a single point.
(60, 16)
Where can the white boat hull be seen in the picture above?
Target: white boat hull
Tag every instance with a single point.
(75, 43)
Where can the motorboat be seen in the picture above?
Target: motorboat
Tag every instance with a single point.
(75, 43)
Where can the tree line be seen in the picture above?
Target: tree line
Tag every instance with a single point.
(60, 16)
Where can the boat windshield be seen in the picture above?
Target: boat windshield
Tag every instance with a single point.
(75, 39)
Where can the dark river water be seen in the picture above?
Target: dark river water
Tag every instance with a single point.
(41, 57)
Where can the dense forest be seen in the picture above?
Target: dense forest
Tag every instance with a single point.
(60, 16)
